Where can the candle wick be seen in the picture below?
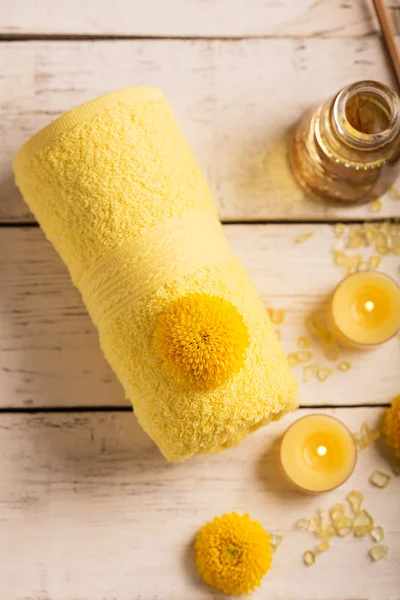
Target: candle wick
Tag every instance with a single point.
(321, 450)
(369, 306)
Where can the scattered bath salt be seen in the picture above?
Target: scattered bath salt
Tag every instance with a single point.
(344, 365)
(363, 524)
(377, 534)
(329, 532)
(275, 542)
(292, 360)
(344, 526)
(374, 262)
(309, 371)
(394, 193)
(366, 436)
(276, 315)
(324, 373)
(340, 258)
(302, 524)
(304, 342)
(380, 479)
(309, 558)
(331, 351)
(304, 237)
(376, 206)
(378, 552)
(323, 546)
(303, 356)
(355, 499)
(339, 229)
(337, 512)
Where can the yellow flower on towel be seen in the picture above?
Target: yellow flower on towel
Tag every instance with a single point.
(391, 426)
(202, 339)
(233, 553)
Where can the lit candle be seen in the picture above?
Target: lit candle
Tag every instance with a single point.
(365, 309)
(318, 453)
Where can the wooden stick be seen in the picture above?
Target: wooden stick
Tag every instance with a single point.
(388, 36)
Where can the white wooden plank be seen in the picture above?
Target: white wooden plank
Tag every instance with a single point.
(191, 18)
(91, 511)
(49, 353)
(235, 101)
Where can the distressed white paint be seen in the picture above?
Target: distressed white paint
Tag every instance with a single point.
(91, 511)
(49, 353)
(191, 18)
(235, 100)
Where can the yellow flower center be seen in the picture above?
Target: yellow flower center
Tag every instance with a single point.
(202, 340)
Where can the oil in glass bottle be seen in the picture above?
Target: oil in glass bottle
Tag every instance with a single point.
(348, 149)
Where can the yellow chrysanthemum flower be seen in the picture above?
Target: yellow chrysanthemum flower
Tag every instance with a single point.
(202, 340)
(233, 553)
(391, 426)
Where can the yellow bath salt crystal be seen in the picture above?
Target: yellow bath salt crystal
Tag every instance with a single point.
(331, 351)
(376, 206)
(275, 542)
(368, 434)
(308, 372)
(377, 534)
(357, 261)
(355, 242)
(323, 546)
(382, 247)
(292, 360)
(374, 262)
(324, 373)
(337, 512)
(303, 356)
(304, 342)
(355, 499)
(347, 270)
(302, 524)
(379, 552)
(278, 333)
(329, 532)
(394, 193)
(309, 558)
(363, 523)
(304, 237)
(276, 315)
(344, 526)
(340, 258)
(380, 479)
(370, 233)
(339, 229)
(344, 365)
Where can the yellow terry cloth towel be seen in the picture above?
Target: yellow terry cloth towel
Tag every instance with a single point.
(117, 191)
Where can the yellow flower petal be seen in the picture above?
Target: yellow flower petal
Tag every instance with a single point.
(233, 553)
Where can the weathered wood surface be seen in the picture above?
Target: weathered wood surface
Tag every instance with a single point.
(192, 18)
(235, 100)
(90, 510)
(49, 353)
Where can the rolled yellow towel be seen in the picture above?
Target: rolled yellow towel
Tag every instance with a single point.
(118, 193)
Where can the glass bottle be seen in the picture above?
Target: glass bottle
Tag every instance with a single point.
(348, 149)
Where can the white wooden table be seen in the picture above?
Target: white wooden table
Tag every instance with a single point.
(89, 510)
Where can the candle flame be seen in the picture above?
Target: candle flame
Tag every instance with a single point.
(369, 306)
(321, 450)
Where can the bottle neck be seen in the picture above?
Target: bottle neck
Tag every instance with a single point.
(366, 115)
